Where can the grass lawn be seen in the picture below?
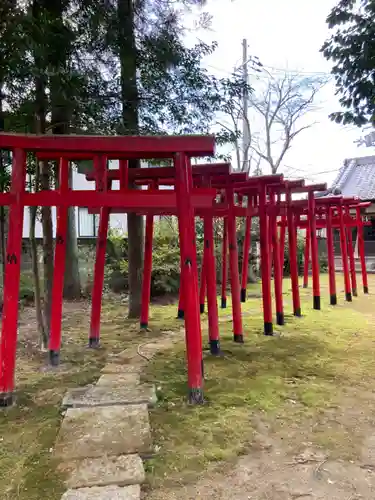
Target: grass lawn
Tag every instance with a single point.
(28, 430)
(289, 379)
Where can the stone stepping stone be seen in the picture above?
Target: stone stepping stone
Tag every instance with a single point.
(107, 493)
(129, 356)
(123, 470)
(121, 368)
(119, 379)
(103, 395)
(110, 430)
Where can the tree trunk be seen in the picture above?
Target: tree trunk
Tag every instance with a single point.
(129, 96)
(72, 280)
(2, 189)
(35, 270)
(47, 246)
(42, 169)
(59, 57)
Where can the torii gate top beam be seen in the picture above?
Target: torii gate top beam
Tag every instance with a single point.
(126, 146)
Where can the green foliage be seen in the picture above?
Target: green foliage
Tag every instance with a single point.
(165, 278)
(351, 48)
(300, 255)
(26, 288)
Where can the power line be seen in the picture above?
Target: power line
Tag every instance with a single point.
(278, 70)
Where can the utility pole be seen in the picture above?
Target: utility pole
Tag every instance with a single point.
(245, 127)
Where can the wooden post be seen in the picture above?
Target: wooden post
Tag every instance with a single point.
(331, 259)
(234, 274)
(314, 251)
(190, 279)
(224, 265)
(100, 166)
(8, 341)
(245, 258)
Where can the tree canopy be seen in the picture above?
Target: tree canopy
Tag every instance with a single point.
(351, 48)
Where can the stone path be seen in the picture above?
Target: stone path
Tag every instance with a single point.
(106, 431)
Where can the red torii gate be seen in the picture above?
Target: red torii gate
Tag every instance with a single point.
(179, 148)
(203, 175)
(324, 219)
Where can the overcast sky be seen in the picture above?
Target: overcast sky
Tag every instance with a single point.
(286, 35)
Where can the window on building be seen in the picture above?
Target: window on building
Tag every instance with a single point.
(87, 223)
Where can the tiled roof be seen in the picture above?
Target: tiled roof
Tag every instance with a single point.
(356, 178)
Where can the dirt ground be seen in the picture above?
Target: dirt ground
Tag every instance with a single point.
(284, 465)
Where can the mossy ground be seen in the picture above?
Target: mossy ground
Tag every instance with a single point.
(288, 379)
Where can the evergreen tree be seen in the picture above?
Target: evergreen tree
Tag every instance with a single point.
(351, 48)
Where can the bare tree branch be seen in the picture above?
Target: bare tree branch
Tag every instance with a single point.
(281, 107)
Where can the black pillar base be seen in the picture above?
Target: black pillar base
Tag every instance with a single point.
(268, 328)
(6, 399)
(215, 347)
(297, 313)
(223, 302)
(354, 292)
(201, 308)
(305, 286)
(348, 297)
(94, 342)
(238, 338)
(195, 397)
(143, 326)
(316, 302)
(365, 289)
(333, 300)
(243, 294)
(180, 314)
(54, 358)
(280, 319)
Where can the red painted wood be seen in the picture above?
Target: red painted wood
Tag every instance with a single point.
(349, 236)
(203, 282)
(306, 260)
(224, 264)
(147, 272)
(100, 163)
(210, 279)
(344, 254)
(314, 251)
(8, 341)
(133, 146)
(59, 266)
(331, 259)
(133, 201)
(277, 271)
(245, 258)
(190, 278)
(234, 274)
(292, 237)
(282, 243)
(123, 174)
(361, 250)
(265, 262)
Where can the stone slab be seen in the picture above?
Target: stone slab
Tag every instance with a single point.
(129, 356)
(121, 368)
(107, 493)
(110, 430)
(122, 470)
(119, 379)
(102, 395)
